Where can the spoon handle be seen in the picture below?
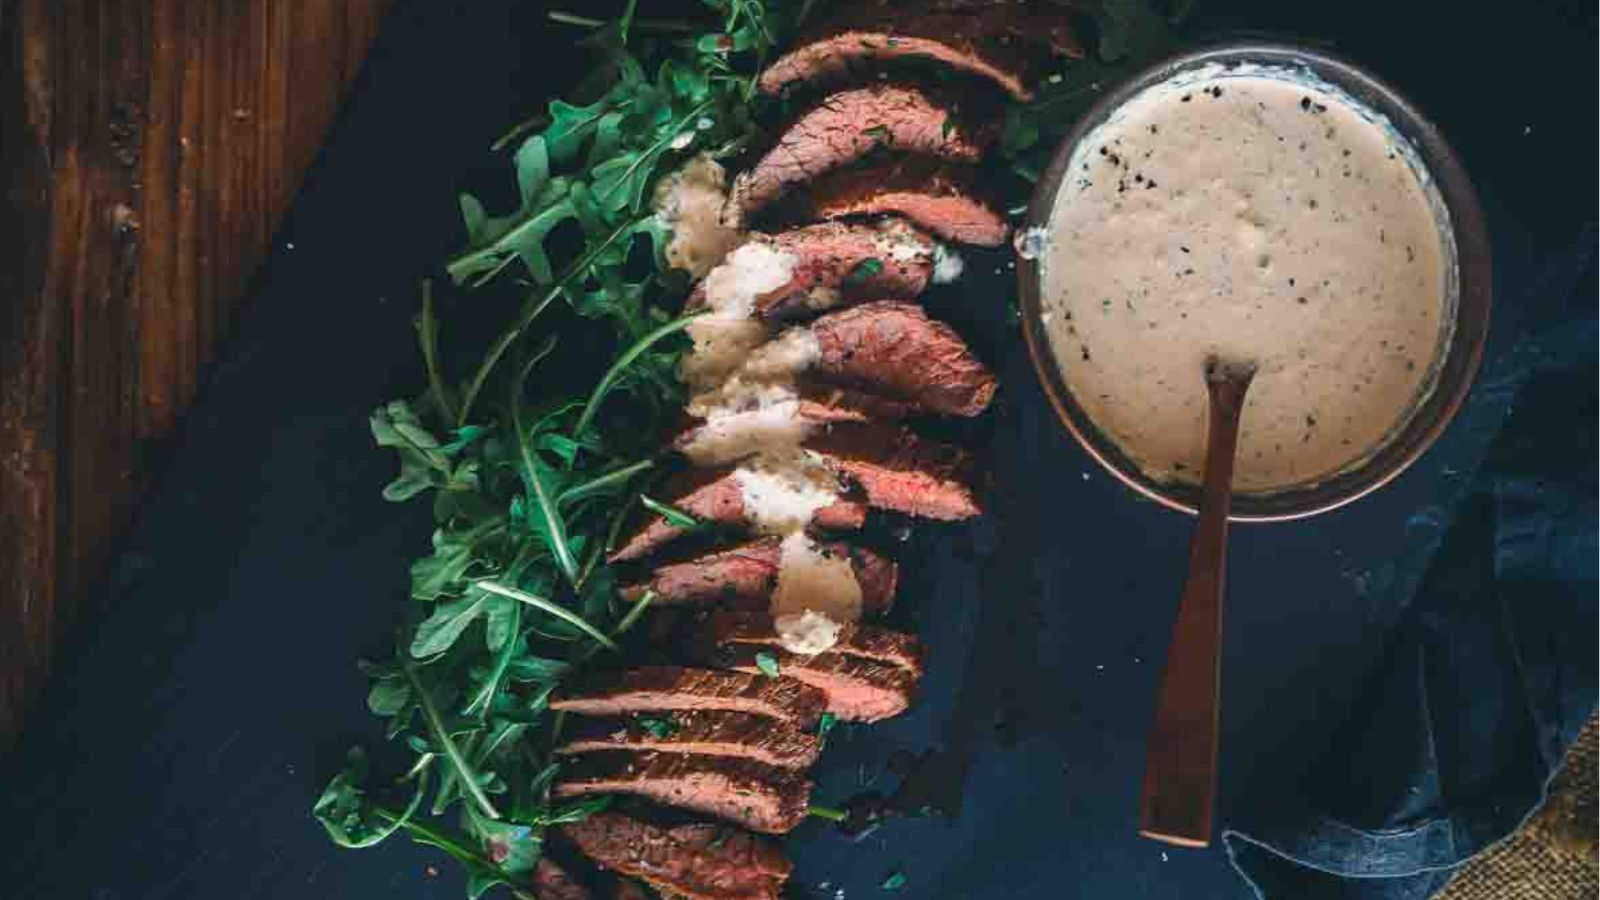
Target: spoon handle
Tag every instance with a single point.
(1180, 768)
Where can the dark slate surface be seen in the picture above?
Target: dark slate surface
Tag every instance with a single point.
(184, 737)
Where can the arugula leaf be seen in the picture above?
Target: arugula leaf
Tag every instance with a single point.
(443, 628)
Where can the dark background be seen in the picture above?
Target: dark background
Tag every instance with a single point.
(182, 740)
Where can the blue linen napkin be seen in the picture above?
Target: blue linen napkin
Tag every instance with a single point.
(1490, 671)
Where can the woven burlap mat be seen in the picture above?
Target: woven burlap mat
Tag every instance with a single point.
(1553, 855)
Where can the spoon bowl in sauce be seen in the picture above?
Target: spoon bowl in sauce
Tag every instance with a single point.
(1270, 202)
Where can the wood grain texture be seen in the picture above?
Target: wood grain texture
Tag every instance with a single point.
(148, 149)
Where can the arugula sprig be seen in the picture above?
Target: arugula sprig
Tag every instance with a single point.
(534, 443)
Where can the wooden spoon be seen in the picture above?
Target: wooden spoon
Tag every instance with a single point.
(1180, 766)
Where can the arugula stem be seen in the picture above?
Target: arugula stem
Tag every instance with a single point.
(555, 527)
(633, 614)
(600, 483)
(491, 684)
(592, 406)
(430, 714)
(554, 609)
(428, 337)
(649, 155)
(667, 25)
(531, 311)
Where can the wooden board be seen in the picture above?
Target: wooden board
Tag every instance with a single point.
(147, 153)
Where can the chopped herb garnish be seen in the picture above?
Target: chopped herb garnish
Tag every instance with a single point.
(864, 270)
(878, 133)
(895, 881)
(826, 723)
(661, 729)
(767, 663)
(947, 126)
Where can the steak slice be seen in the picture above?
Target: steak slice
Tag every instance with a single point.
(938, 197)
(896, 350)
(714, 495)
(675, 689)
(900, 471)
(729, 437)
(700, 860)
(975, 41)
(839, 263)
(846, 126)
(858, 689)
(743, 577)
(761, 798)
(704, 732)
(869, 642)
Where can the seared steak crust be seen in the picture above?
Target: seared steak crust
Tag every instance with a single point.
(846, 126)
(858, 689)
(869, 642)
(980, 39)
(672, 689)
(734, 735)
(759, 797)
(841, 263)
(895, 349)
(900, 471)
(703, 861)
(940, 198)
(714, 495)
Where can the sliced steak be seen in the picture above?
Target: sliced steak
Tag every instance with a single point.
(733, 735)
(900, 471)
(673, 689)
(743, 577)
(714, 495)
(731, 436)
(894, 349)
(846, 126)
(858, 689)
(701, 860)
(980, 40)
(869, 642)
(761, 798)
(841, 263)
(551, 882)
(941, 198)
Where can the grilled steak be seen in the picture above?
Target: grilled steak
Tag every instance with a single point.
(973, 40)
(939, 197)
(732, 436)
(761, 798)
(704, 732)
(673, 689)
(869, 642)
(743, 577)
(901, 472)
(714, 495)
(848, 125)
(839, 263)
(858, 689)
(702, 860)
(894, 349)
(551, 882)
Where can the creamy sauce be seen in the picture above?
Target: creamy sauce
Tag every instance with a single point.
(1257, 216)
(691, 202)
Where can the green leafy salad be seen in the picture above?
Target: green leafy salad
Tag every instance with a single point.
(551, 352)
